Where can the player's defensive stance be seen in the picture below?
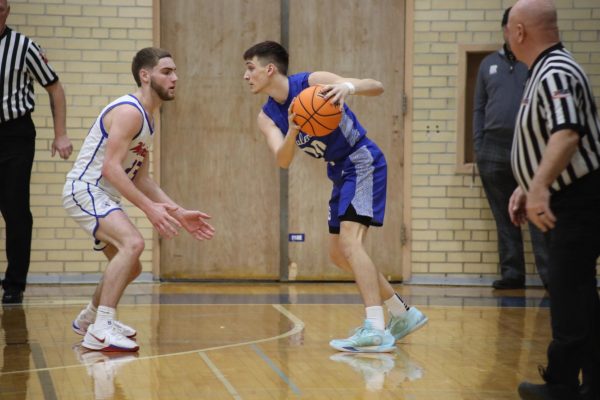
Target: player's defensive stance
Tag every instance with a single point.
(114, 162)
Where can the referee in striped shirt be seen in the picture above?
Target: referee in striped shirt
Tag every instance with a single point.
(556, 161)
(22, 61)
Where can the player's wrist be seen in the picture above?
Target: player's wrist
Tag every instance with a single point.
(350, 86)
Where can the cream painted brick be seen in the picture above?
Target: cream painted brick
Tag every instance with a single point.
(53, 244)
(481, 235)
(420, 159)
(143, 23)
(63, 10)
(419, 268)
(446, 203)
(480, 268)
(82, 44)
(447, 4)
(462, 213)
(45, 32)
(449, 26)
(118, 3)
(467, 15)
(462, 192)
(491, 257)
(135, 12)
(586, 47)
(44, 20)
(445, 246)
(429, 148)
(119, 33)
(99, 11)
(429, 213)
(445, 181)
(448, 37)
(450, 268)
(462, 235)
(446, 235)
(93, 256)
(419, 246)
(64, 255)
(433, 15)
(429, 256)
(83, 266)
(453, 224)
(464, 256)
(443, 70)
(25, 8)
(478, 224)
(420, 26)
(64, 234)
(481, 246)
(82, 22)
(149, 3)
(425, 169)
(422, 224)
(46, 267)
(426, 37)
(483, 4)
(586, 25)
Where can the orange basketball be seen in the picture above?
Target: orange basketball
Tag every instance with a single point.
(314, 115)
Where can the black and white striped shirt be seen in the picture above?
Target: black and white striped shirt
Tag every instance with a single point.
(557, 96)
(21, 61)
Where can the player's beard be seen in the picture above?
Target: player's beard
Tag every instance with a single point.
(162, 93)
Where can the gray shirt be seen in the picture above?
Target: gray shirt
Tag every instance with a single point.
(500, 83)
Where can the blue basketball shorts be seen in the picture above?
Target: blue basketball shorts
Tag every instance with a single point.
(359, 187)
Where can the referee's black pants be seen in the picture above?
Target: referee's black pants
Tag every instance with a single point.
(17, 149)
(574, 247)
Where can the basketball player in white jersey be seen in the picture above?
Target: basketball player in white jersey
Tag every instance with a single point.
(114, 162)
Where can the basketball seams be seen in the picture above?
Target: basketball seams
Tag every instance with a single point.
(311, 112)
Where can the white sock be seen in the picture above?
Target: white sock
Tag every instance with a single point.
(104, 317)
(375, 317)
(396, 305)
(90, 312)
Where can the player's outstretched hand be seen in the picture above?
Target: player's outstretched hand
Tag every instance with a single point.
(194, 222)
(159, 215)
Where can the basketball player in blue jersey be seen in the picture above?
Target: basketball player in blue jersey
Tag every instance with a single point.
(114, 162)
(358, 171)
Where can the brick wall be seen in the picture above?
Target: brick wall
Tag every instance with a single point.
(90, 43)
(453, 232)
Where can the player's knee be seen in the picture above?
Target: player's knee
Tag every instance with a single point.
(348, 246)
(135, 246)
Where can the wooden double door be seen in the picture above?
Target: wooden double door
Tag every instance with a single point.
(214, 158)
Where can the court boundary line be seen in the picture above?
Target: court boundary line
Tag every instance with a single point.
(297, 328)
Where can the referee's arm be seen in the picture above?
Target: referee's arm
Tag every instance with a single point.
(558, 153)
(58, 105)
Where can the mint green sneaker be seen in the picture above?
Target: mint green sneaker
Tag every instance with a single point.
(408, 322)
(366, 339)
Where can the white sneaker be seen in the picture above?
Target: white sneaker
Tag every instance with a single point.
(81, 323)
(124, 330)
(107, 339)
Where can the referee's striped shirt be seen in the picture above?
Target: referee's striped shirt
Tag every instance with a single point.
(557, 96)
(21, 61)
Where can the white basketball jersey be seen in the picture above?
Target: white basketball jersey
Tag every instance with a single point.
(88, 166)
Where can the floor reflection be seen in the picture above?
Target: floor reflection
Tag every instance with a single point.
(375, 368)
(103, 367)
(16, 352)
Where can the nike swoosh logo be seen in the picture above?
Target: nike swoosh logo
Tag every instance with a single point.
(97, 338)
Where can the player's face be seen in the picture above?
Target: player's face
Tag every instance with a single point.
(256, 75)
(163, 79)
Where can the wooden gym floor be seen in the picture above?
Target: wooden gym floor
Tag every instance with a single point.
(270, 341)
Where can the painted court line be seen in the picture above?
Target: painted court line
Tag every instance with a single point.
(220, 376)
(275, 368)
(297, 328)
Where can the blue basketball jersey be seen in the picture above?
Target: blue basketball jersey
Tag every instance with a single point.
(336, 146)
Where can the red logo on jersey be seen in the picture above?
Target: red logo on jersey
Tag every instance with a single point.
(140, 149)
